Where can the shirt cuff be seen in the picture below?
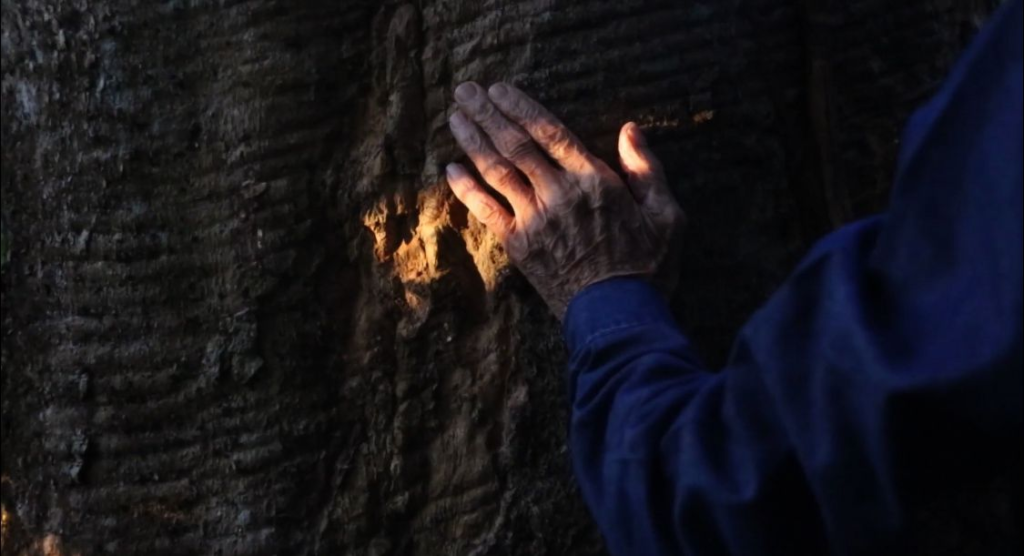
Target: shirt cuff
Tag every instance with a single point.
(612, 304)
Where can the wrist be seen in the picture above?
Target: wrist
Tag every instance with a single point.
(612, 303)
(560, 299)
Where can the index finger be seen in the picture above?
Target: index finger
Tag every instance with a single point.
(551, 134)
(484, 207)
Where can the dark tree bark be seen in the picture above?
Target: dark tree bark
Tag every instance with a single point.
(243, 315)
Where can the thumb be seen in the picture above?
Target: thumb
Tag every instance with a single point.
(644, 171)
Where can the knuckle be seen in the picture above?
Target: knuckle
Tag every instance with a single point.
(668, 218)
(469, 139)
(526, 108)
(567, 202)
(574, 195)
(518, 148)
(598, 190)
(553, 133)
(476, 142)
(490, 215)
(535, 225)
(562, 148)
(502, 176)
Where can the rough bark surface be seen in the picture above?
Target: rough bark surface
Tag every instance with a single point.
(243, 315)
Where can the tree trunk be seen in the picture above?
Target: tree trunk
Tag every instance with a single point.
(242, 313)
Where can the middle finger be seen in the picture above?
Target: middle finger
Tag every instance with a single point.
(511, 140)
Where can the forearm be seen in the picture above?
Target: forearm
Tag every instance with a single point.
(626, 353)
(631, 378)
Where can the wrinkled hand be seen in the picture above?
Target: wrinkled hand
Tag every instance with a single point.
(574, 221)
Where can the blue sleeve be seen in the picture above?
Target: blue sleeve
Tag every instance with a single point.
(886, 368)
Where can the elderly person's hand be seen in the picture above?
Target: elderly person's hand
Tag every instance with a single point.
(573, 222)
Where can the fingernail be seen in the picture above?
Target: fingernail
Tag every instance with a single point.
(498, 90)
(454, 171)
(636, 135)
(465, 91)
(457, 119)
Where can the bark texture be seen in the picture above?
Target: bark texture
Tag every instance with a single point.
(243, 315)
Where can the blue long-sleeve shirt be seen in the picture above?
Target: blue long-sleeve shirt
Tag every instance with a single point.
(887, 367)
